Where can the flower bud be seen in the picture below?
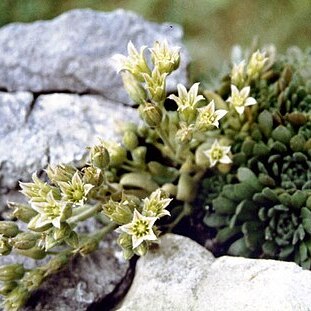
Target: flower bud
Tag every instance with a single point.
(25, 240)
(8, 228)
(134, 89)
(16, 298)
(99, 157)
(117, 153)
(152, 115)
(22, 212)
(11, 272)
(63, 232)
(89, 246)
(5, 247)
(130, 140)
(56, 263)
(7, 287)
(33, 279)
(72, 240)
(62, 172)
(34, 253)
(139, 154)
(141, 250)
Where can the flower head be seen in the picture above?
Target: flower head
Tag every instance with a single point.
(256, 64)
(239, 99)
(75, 191)
(51, 211)
(140, 229)
(186, 99)
(134, 63)
(218, 153)
(155, 205)
(164, 58)
(209, 117)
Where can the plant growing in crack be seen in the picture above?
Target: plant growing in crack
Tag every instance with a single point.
(249, 138)
(129, 187)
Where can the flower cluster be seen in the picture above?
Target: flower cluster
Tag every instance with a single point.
(137, 220)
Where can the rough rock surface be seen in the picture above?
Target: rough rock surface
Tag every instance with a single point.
(55, 128)
(182, 275)
(73, 52)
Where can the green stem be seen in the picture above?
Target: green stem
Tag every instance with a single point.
(100, 234)
(85, 214)
(165, 139)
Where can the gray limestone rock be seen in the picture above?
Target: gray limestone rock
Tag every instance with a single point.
(182, 275)
(73, 52)
(56, 128)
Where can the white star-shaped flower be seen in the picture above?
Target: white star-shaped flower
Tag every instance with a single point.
(256, 64)
(239, 99)
(165, 58)
(140, 229)
(155, 205)
(186, 99)
(208, 116)
(218, 153)
(135, 62)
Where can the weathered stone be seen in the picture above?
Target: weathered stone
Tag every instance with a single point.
(58, 128)
(73, 52)
(181, 275)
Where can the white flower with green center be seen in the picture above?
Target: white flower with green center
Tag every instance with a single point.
(185, 99)
(135, 62)
(218, 153)
(155, 205)
(51, 211)
(240, 99)
(140, 229)
(208, 116)
(75, 191)
(238, 74)
(164, 58)
(256, 64)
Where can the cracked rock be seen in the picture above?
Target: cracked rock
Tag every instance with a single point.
(182, 275)
(73, 52)
(58, 129)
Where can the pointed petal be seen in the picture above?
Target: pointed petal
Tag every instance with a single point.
(225, 159)
(239, 109)
(250, 101)
(220, 113)
(245, 91)
(234, 90)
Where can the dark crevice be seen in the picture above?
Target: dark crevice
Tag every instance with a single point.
(111, 301)
(31, 107)
(87, 92)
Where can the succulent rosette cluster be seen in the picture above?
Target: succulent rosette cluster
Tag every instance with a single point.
(262, 208)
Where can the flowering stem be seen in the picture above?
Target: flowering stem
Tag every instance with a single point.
(85, 214)
(100, 234)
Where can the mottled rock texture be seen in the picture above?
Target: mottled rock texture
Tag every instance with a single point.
(73, 52)
(54, 128)
(181, 275)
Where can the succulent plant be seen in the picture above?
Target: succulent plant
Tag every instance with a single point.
(265, 210)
